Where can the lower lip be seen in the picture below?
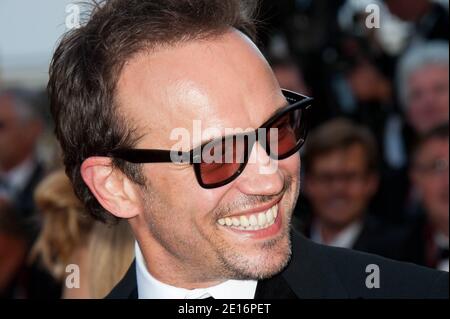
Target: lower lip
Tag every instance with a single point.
(265, 233)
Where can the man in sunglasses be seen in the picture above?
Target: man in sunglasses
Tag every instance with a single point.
(210, 212)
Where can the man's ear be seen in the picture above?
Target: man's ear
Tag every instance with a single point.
(113, 190)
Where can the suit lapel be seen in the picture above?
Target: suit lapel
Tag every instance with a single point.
(127, 287)
(274, 288)
(309, 273)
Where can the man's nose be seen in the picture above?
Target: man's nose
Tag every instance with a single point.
(261, 176)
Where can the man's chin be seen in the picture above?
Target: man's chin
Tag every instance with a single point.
(264, 261)
(255, 254)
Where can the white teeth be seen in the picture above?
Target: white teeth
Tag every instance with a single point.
(251, 222)
(262, 219)
(244, 221)
(269, 216)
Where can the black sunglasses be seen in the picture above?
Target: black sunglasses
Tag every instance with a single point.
(290, 123)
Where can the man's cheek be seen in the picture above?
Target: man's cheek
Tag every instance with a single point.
(296, 164)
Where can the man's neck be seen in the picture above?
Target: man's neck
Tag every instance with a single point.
(328, 234)
(169, 270)
(149, 287)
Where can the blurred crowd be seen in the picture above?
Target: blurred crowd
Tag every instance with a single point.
(374, 169)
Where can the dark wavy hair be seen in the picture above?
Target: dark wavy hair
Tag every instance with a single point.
(88, 61)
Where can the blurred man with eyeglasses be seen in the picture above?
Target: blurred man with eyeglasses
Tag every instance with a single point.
(423, 90)
(428, 241)
(340, 181)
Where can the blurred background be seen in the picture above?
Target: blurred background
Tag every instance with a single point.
(374, 168)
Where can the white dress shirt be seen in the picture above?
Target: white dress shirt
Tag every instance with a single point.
(151, 288)
(345, 239)
(17, 178)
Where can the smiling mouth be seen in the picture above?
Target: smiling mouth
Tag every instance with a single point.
(251, 222)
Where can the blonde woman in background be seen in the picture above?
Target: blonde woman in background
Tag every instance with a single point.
(111, 251)
(69, 236)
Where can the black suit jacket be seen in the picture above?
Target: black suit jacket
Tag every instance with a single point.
(381, 239)
(420, 247)
(317, 271)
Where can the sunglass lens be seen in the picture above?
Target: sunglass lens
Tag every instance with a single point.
(222, 160)
(290, 130)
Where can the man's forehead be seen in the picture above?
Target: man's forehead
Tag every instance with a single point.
(434, 69)
(221, 82)
(353, 155)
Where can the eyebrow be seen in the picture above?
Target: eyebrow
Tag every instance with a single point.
(213, 139)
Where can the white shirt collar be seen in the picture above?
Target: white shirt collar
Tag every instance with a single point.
(151, 288)
(345, 239)
(441, 240)
(18, 177)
